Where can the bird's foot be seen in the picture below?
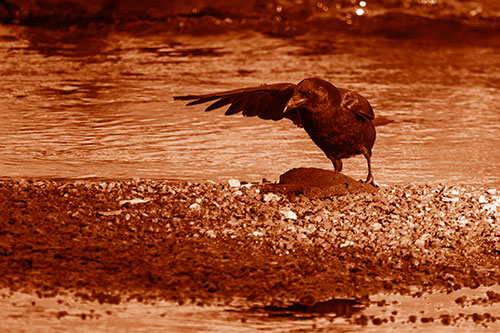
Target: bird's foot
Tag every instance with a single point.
(370, 181)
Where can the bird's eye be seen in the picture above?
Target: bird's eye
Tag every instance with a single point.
(307, 93)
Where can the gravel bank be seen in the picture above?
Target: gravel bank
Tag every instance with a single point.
(215, 243)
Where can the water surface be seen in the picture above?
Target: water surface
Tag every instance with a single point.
(81, 103)
(395, 313)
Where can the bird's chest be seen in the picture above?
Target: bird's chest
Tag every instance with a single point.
(327, 124)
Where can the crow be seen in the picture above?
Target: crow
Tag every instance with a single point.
(339, 121)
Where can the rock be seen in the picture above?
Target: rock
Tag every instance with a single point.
(318, 183)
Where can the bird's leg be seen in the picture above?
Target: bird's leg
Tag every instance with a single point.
(369, 178)
(337, 164)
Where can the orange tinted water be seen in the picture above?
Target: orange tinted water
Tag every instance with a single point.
(436, 312)
(87, 104)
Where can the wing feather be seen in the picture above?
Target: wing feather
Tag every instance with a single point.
(220, 103)
(236, 106)
(202, 100)
(276, 105)
(251, 110)
(266, 101)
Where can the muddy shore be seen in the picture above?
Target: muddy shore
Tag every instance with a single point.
(117, 240)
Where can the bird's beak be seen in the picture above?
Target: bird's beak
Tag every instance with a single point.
(295, 102)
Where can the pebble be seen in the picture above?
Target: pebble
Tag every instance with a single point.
(420, 243)
(234, 183)
(270, 197)
(347, 243)
(133, 201)
(195, 206)
(288, 214)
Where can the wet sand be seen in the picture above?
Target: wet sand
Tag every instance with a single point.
(233, 244)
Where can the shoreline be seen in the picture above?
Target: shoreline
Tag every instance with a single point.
(225, 180)
(212, 243)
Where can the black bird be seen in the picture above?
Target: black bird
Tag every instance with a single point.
(339, 121)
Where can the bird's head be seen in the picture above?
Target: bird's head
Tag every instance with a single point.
(311, 93)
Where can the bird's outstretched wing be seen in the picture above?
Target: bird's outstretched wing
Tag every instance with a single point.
(356, 103)
(265, 101)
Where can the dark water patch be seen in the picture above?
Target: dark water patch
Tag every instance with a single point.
(189, 52)
(307, 308)
(67, 42)
(79, 90)
(8, 38)
(414, 26)
(245, 72)
(317, 46)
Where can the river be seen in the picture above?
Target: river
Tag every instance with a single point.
(97, 103)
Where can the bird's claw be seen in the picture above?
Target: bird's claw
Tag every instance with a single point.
(370, 182)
